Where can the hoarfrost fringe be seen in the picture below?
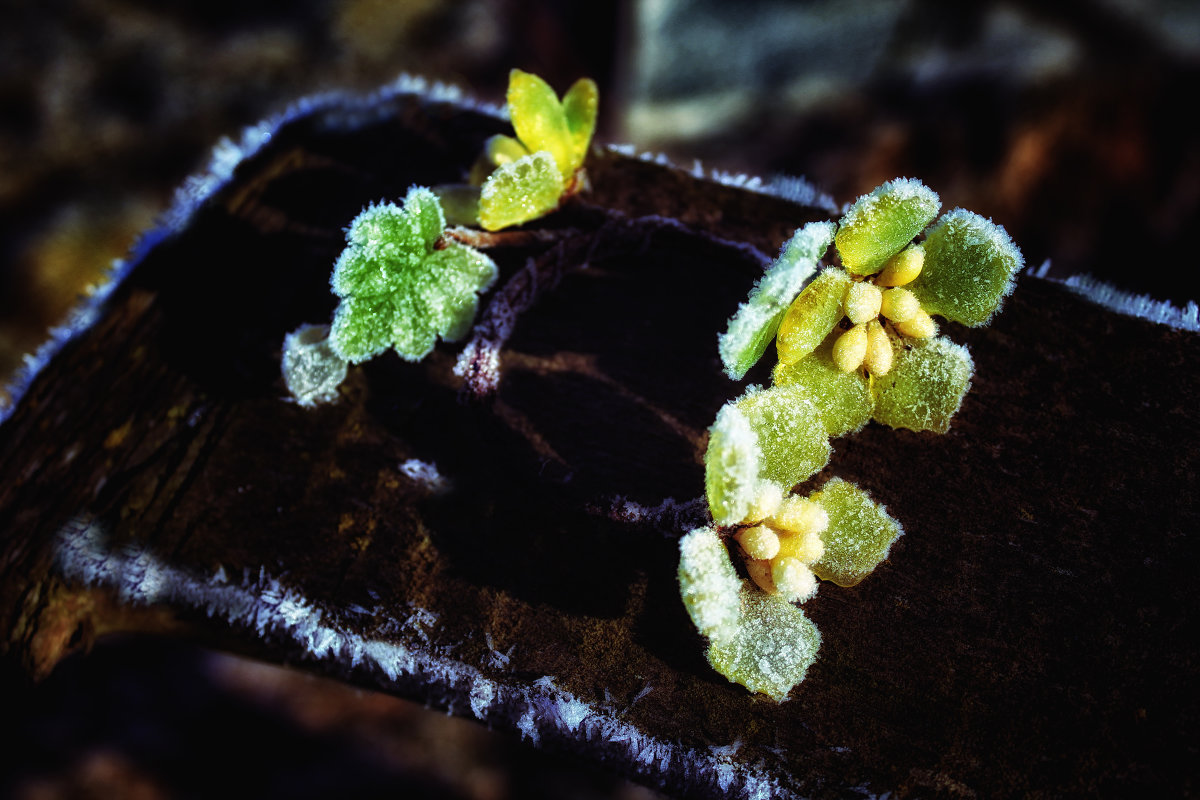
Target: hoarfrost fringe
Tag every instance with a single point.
(541, 712)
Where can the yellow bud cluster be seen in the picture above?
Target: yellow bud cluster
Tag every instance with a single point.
(868, 344)
(781, 547)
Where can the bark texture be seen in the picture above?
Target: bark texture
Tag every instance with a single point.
(1032, 633)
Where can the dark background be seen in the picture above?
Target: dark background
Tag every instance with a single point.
(1064, 123)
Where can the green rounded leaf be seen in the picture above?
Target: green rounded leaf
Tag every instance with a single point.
(842, 399)
(754, 325)
(882, 223)
(362, 327)
(774, 645)
(539, 119)
(792, 442)
(970, 267)
(812, 315)
(859, 536)
(519, 191)
(708, 584)
(396, 289)
(925, 386)
(580, 105)
(731, 465)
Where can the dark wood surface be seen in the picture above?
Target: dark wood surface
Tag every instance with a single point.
(1032, 634)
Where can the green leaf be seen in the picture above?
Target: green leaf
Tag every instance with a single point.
(519, 191)
(539, 119)
(361, 327)
(731, 465)
(842, 399)
(792, 441)
(580, 104)
(708, 584)
(970, 266)
(773, 647)
(812, 315)
(754, 325)
(882, 223)
(925, 386)
(859, 536)
(396, 289)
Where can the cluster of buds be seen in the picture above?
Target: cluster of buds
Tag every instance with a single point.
(781, 540)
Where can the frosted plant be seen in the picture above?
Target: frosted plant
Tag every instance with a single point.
(525, 177)
(871, 319)
(311, 369)
(757, 320)
(855, 342)
(760, 446)
(401, 285)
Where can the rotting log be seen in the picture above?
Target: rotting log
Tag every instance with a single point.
(1033, 633)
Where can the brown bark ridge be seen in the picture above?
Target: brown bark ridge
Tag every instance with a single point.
(1032, 634)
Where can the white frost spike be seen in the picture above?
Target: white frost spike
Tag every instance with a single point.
(1134, 305)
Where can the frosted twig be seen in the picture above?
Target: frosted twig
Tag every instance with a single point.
(670, 517)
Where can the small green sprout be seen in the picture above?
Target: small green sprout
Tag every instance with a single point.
(401, 284)
(530, 174)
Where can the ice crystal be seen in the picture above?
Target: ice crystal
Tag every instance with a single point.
(400, 286)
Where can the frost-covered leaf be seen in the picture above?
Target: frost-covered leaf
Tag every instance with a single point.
(757, 320)
(882, 223)
(970, 266)
(859, 536)
(792, 441)
(580, 104)
(925, 386)
(396, 289)
(519, 191)
(812, 315)
(564, 129)
(731, 465)
(708, 584)
(773, 648)
(842, 399)
(539, 119)
(311, 369)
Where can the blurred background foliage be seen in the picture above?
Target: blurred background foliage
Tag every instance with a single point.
(1063, 121)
